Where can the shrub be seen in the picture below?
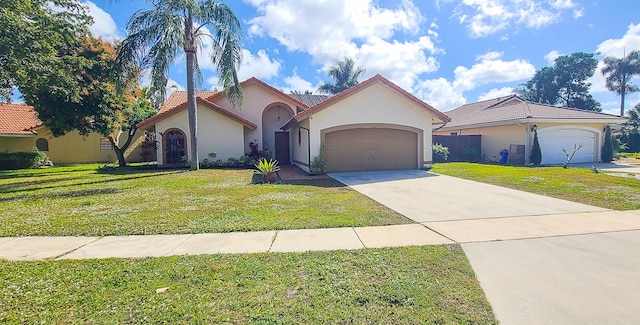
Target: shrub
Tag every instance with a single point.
(317, 166)
(265, 167)
(23, 160)
(536, 152)
(607, 147)
(440, 152)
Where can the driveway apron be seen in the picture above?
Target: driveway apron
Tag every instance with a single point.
(539, 260)
(424, 197)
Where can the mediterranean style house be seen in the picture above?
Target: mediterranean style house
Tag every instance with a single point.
(375, 125)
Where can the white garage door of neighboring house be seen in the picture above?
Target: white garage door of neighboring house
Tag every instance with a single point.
(370, 149)
(553, 141)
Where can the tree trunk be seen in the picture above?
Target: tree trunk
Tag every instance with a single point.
(190, 52)
(623, 90)
(122, 162)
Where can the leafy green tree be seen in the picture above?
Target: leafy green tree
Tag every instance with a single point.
(92, 100)
(32, 37)
(618, 73)
(344, 74)
(564, 83)
(536, 152)
(300, 92)
(158, 34)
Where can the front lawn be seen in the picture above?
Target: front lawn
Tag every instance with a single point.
(81, 200)
(574, 184)
(409, 285)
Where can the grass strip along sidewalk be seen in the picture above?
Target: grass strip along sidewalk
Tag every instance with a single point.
(408, 285)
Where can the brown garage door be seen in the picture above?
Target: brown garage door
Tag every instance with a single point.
(370, 149)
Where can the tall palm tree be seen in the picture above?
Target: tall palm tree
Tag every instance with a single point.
(158, 35)
(344, 74)
(618, 74)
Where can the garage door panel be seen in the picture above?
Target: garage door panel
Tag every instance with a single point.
(370, 149)
(552, 142)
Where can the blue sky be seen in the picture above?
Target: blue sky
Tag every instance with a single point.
(445, 52)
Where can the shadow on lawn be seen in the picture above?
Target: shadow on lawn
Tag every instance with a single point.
(133, 174)
(66, 194)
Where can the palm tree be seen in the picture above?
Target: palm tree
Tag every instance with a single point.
(344, 74)
(157, 35)
(618, 74)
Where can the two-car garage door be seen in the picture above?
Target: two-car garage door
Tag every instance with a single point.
(363, 149)
(553, 141)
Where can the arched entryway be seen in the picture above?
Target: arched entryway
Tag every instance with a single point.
(274, 139)
(174, 147)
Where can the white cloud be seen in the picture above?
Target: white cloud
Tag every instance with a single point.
(294, 82)
(487, 17)
(495, 93)
(552, 56)
(103, 24)
(490, 68)
(440, 93)
(630, 41)
(259, 66)
(362, 30)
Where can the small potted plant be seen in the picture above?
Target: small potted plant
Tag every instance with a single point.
(268, 169)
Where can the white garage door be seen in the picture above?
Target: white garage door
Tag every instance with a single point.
(553, 141)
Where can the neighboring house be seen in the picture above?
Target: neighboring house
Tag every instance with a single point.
(508, 122)
(21, 130)
(373, 126)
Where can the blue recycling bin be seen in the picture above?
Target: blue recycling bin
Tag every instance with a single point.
(504, 156)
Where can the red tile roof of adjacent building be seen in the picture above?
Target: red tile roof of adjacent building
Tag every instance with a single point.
(18, 119)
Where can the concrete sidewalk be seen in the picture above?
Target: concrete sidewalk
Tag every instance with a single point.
(299, 240)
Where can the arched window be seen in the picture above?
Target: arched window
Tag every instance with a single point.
(42, 144)
(175, 147)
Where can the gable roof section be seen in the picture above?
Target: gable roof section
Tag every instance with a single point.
(365, 84)
(514, 109)
(178, 101)
(173, 110)
(254, 80)
(18, 120)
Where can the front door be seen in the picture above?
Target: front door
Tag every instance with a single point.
(282, 147)
(174, 147)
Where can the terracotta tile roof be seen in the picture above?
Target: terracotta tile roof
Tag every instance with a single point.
(504, 110)
(180, 97)
(18, 119)
(164, 113)
(266, 86)
(309, 99)
(346, 93)
(178, 101)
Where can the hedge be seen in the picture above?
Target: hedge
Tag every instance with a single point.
(22, 160)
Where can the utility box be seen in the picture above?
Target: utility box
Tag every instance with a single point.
(516, 154)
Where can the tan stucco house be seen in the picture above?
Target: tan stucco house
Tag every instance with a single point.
(374, 125)
(22, 130)
(508, 122)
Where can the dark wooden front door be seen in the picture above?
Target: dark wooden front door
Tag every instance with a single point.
(282, 147)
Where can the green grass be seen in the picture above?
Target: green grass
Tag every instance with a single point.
(573, 184)
(411, 285)
(81, 200)
(635, 155)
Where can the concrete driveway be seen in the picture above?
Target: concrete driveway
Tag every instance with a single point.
(425, 197)
(539, 260)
